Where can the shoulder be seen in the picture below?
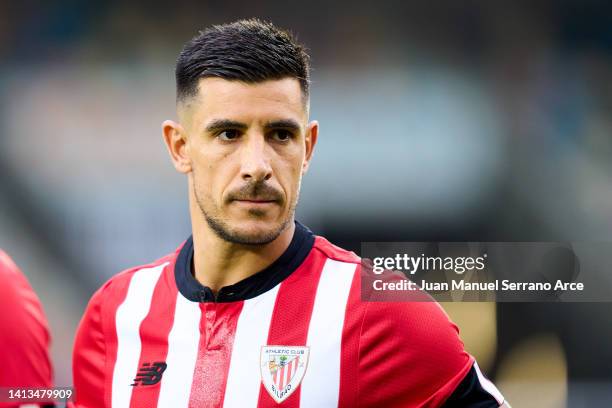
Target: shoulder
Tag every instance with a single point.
(418, 340)
(25, 339)
(10, 274)
(411, 335)
(422, 329)
(334, 252)
(411, 320)
(17, 298)
(119, 283)
(126, 275)
(6, 263)
(98, 317)
(101, 308)
(420, 326)
(96, 340)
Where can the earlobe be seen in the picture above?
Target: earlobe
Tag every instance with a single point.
(175, 139)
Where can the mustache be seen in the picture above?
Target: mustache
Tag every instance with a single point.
(257, 190)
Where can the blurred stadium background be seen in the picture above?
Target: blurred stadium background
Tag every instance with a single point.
(441, 121)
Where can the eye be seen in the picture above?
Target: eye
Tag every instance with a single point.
(228, 135)
(282, 135)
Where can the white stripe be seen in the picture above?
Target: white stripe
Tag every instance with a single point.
(488, 385)
(244, 375)
(183, 342)
(321, 383)
(128, 317)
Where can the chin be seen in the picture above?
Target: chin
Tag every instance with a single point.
(249, 232)
(263, 231)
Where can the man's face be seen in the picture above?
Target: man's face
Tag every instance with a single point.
(248, 146)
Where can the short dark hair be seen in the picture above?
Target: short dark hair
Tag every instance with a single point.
(246, 50)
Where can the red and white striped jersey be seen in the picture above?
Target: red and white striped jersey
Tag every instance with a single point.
(294, 335)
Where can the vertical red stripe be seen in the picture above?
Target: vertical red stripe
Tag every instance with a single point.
(292, 367)
(154, 331)
(293, 309)
(217, 332)
(351, 333)
(113, 299)
(290, 370)
(283, 376)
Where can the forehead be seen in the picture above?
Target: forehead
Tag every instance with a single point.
(219, 98)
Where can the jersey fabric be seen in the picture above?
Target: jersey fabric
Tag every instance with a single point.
(24, 333)
(296, 334)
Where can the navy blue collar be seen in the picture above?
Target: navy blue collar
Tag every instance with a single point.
(254, 285)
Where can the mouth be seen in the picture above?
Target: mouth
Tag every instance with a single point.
(256, 201)
(256, 195)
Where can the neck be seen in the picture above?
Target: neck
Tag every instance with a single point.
(219, 263)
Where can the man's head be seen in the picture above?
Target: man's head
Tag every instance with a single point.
(249, 51)
(243, 138)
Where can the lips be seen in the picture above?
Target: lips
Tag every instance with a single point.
(256, 201)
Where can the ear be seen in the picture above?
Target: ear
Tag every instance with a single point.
(312, 132)
(175, 139)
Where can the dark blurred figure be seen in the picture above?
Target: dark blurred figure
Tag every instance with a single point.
(24, 333)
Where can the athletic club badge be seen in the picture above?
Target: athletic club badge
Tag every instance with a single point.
(282, 369)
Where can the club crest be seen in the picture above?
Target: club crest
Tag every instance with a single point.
(282, 369)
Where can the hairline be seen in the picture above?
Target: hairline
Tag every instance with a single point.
(186, 99)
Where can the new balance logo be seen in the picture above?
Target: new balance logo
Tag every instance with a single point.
(150, 373)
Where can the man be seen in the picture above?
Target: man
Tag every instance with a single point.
(24, 336)
(254, 310)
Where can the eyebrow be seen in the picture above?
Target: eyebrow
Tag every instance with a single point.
(222, 124)
(284, 124)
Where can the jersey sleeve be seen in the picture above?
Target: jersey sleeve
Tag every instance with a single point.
(25, 338)
(476, 391)
(89, 356)
(411, 356)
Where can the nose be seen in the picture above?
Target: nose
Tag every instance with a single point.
(255, 160)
